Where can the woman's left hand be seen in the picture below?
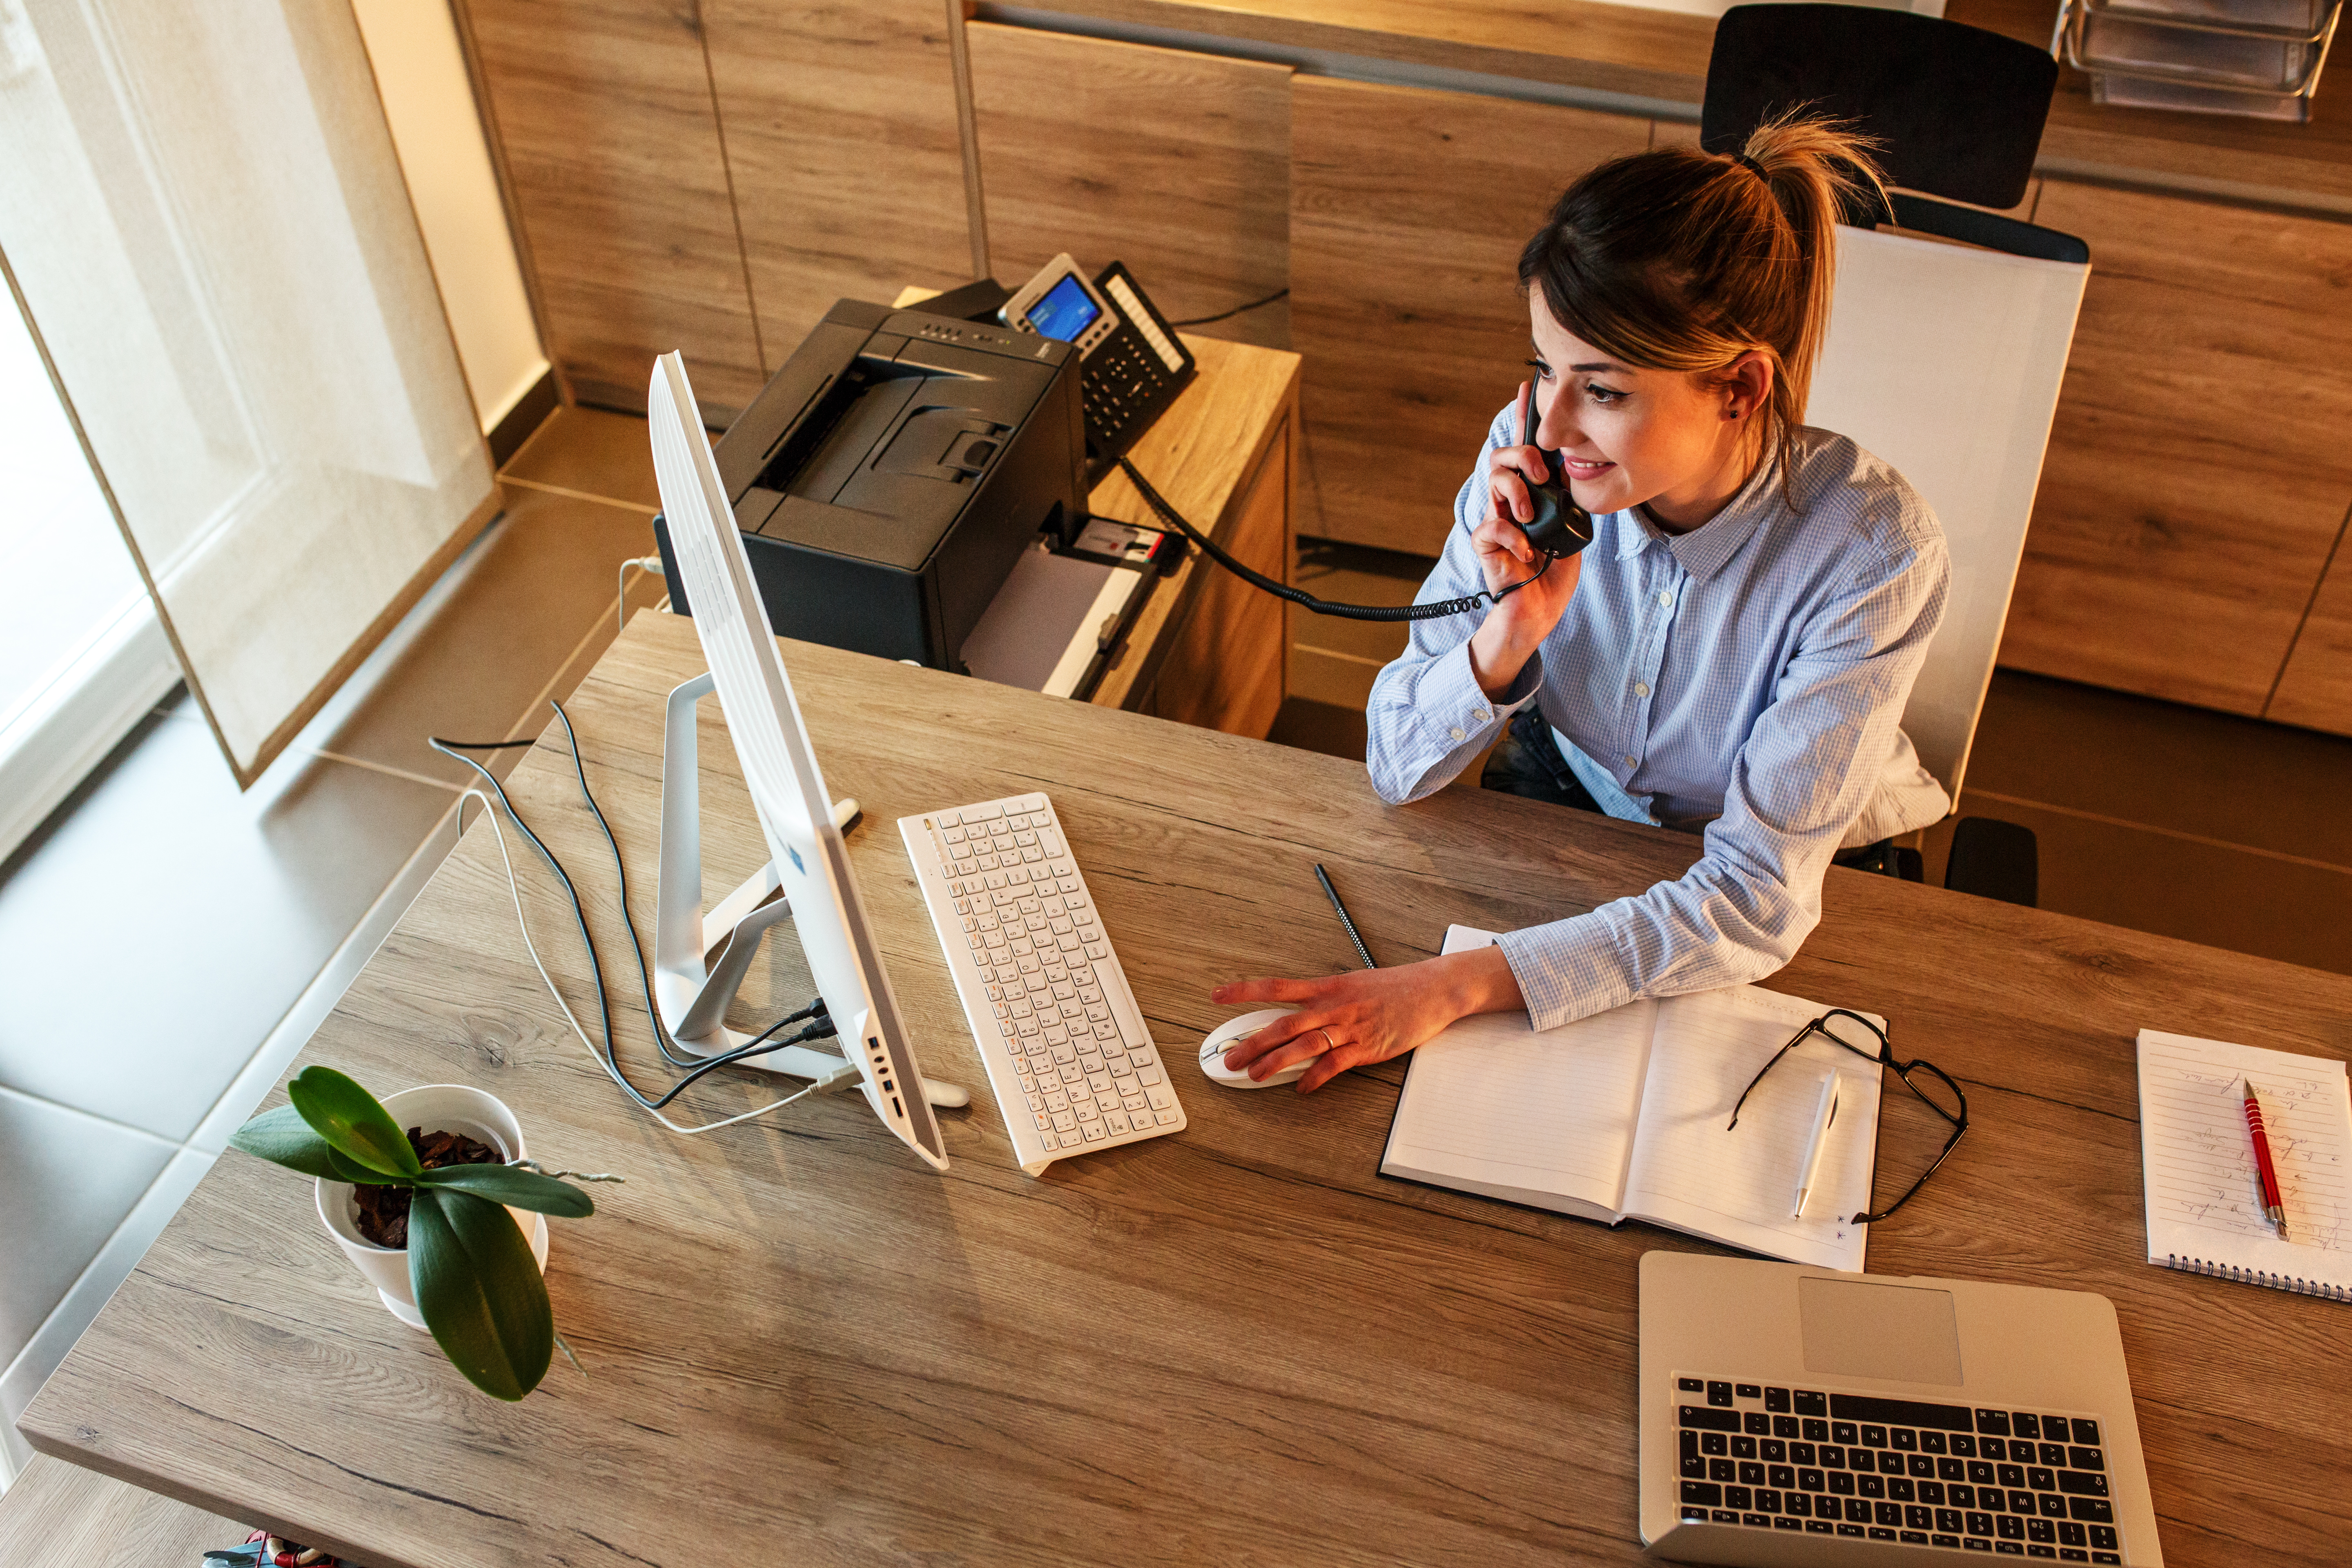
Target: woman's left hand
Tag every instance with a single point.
(1367, 1015)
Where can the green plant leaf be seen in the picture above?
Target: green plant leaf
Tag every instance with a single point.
(283, 1137)
(479, 1291)
(350, 1119)
(516, 1189)
(342, 1167)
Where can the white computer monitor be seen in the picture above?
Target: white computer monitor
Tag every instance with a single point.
(812, 862)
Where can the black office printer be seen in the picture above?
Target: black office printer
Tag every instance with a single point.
(890, 475)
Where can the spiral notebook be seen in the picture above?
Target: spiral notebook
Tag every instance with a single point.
(2197, 1161)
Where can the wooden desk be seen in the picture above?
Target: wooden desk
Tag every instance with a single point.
(1232, 1345)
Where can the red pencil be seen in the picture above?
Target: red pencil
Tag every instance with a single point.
(2273, 1207)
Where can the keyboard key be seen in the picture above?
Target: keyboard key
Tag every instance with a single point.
(1810, 1404)
(1979, 1523)
(1903, 1439)
(2103, 1539)
(1932, 1443)
(2041, 1530)
(2078, 1483)
(1751, 1474)
(1776, 1400)
(2093, 1511)
(1722, 1470)
(2086, 1460)
(2087, 1432)
(2040, 1479)
(1873, 1436)
(2024, 1423)
(2071, 1534)
(1738, 1497)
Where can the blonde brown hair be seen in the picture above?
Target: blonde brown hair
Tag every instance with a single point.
(1683, 260)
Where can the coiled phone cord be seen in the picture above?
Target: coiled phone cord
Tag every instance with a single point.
(1435, 611)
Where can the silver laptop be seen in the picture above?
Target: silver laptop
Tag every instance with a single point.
(1802, 1416)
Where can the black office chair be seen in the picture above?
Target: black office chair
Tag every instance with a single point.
(1958, 113)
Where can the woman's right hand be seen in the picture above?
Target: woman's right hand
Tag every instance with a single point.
(1517, 626)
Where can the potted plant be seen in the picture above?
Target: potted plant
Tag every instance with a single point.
(452, 1194)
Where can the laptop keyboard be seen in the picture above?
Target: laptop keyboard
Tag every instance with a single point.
(2012, 1483)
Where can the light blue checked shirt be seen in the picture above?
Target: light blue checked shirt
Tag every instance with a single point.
(1745, 679)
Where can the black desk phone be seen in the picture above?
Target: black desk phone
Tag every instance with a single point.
(1131, 363)
(1560, 526)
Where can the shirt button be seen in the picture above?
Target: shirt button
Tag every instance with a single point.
(1482, 715)
(1629, 759)
(1641, 689)
(1456, 731)
(1667, 599)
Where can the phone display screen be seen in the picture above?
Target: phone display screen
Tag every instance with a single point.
(1066, 311)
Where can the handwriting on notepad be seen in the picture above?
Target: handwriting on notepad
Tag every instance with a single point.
(2203, 1161)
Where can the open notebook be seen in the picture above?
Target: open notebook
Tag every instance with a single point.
(1621, 1116)
(2197, 1161)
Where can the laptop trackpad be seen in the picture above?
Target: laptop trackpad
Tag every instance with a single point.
(1899, 1331)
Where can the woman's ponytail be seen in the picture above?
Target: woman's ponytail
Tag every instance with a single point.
(1680, 259)
(1810, 167)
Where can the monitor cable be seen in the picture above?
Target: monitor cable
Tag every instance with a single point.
(1437, 610)
(763, 1044)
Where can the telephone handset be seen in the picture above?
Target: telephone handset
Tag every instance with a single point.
(1559, 527)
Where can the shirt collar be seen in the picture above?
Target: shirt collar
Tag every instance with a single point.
(1708, 548)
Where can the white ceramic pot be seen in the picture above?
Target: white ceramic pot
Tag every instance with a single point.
(434, 1107)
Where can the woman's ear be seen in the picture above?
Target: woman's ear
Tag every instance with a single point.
(1745, 385)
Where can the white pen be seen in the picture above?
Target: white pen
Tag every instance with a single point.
(1822, 1115)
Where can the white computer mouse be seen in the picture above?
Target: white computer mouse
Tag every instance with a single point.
(1221, 1038)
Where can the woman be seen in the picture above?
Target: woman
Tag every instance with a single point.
(1732, 654)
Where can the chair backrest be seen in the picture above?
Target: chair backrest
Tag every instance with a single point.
(1958, 111)
(1944, 360)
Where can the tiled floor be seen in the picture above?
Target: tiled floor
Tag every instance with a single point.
(166, 944)
(2221, 830)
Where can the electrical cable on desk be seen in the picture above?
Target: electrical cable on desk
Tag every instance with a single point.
(1236, 310)
(1437, 611)
(760, 1045)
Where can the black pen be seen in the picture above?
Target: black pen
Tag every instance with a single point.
(1332, 893)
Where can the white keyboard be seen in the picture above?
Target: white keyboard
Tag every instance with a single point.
(1066, 1052)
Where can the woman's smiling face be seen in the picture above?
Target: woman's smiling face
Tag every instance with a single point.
(1675, 440)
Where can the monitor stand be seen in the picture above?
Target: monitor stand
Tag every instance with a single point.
(700, 959)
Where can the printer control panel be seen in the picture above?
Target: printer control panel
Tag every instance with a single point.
(939, 330)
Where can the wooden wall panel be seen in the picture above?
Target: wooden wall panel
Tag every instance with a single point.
(1408, 208)
(608, 141)
(2316, 688)
(841, 134)
(2199, 469)
(1174, 163)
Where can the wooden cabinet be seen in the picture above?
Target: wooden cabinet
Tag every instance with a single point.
(2316, 688)
(608, 144)
(2199, 469)
(1208, 648)
(1408, 208)
(1177, 163)
(843, 145)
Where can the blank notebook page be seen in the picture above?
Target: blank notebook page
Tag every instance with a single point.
(2199, 1160)
(1493, 1101)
